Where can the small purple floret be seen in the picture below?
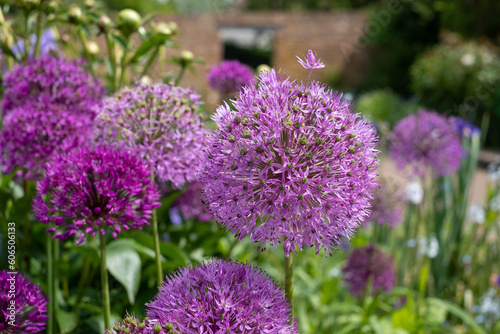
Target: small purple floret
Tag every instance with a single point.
(190, 204)
(310, 61)
(425, 142)
(222, 296)
(369, 264)
(230, 76)
(90, 190)
(27, 301)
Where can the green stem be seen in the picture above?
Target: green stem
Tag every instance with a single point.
(289, 280)
(55, 288)
(38, 31)
(180, 75)
(151, 59)
(85, 46)
(83, 279)
(156, 238)
(112, 60)
(105, 284)
(123, 66)
(8, 38)
(50, 286)
(26, 37)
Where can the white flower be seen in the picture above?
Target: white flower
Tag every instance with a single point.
(476, 213)
(414, 192)
(428, 246)
(468, 59)
(495, 203)
(494, 171)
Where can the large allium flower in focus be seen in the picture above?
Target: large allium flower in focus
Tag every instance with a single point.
(190, 204)
(159, 123)
(33, 132)
(23, 306)
(291, 164)
(426, 141)
(369, 264)
(89, 190)
(132, 325)
(230, 76)
(388, 205)
(62, 82)
(222, 296)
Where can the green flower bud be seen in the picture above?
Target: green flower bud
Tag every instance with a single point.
(104, 23)
(128, 22)
(75, 15)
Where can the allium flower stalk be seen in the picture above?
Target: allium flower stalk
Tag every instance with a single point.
(426, 141)
(90, 190)
(190, 204)
(22, 305)
(369, 265)
(132, 325)
(159, 123)
(291, 164)
(230, 76)
(32, 133)
(54, 79)
(222, 296)
(387, 205)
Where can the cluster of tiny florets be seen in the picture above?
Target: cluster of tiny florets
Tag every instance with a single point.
(426, 141)
(160, 124)
(54, 79)
(132, 325)
(291, 164)
(222, 296)
(387, 206)
(22, 303)
(190, 204)
(230, 76)
(369, 265)
(91, 189)
(33, 132)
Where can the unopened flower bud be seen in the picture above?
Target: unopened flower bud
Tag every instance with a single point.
(128, 21)
(93, 48)
(75, 15)
(104, 23)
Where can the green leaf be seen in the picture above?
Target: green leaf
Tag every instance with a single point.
(6, 50)
(67, 321)
(460, 313)
(406, 319)
(147, 46)
(88, 251)
(124, 264)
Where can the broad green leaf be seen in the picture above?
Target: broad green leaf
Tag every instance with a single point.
(406, 319)
(124, 264)
(147, 46)
(460, 313)
(67, 321)
(90, 252)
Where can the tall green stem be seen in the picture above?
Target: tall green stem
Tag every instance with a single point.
(38, 30)
(26, 36)
(289, 280)
(112, 60)
(50, 286)
(105, 284)
(55, 284)
(180, 75)
(150, 61)
(123, 67)
(156, 237)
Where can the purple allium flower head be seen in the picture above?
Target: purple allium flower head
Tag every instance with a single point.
(464, 128)
(388, 205)
(23, 306)
(33, 132)
(292, 164)
(369, 264)
(230, 76)
(426, 140)
(58, 80)
(48, 43)
(222, 296)
(132, 325)
(190, 204)
(159, 123)
(311, 61)
(89, 189)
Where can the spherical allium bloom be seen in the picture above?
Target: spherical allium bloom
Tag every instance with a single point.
(89, 189)
(369, 264)
(190, 204)
(56, 79)
(230, 76)
(292, 164)
(426, 140)
(23, 306)
(33, 132)
(222, 296)
(132, 325)
(388, 205)
(159, 123)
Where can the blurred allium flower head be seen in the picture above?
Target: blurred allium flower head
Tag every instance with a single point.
(369, 264)
(54, 79)
(222, 296)
(23, 306)
(230, 76)
(159, 123)
(291, 164)
(387, 206)
(48, 43)
(91, 189)
(33, 132)
(190, 204)
(132, 325)
(424, 141)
